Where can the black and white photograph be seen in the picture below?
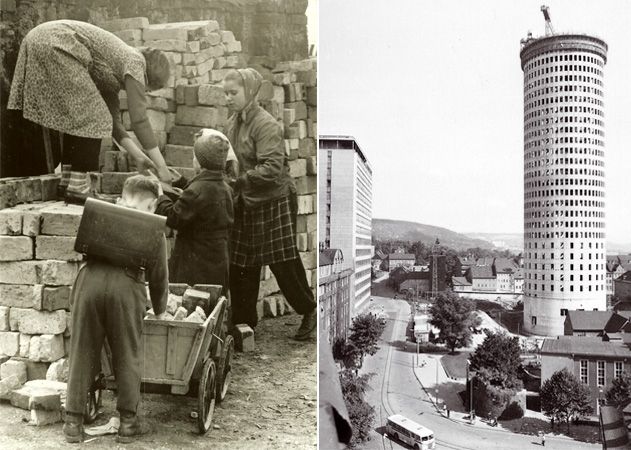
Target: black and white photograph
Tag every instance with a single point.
(474, 246)
(158, 224)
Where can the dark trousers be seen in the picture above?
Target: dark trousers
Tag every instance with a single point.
(107, 302)
(80, 152)
(244, 289)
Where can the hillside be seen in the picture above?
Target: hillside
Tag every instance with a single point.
(386, 229)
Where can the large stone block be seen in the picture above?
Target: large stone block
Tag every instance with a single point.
(7, 386)
(14, 368)
(201, 116)
(307, 148)
(10, 222)
(41, 322)
(47, 347)
(61, 220)
(58, 371)
(173, 45)
(306, 185)
(112, 182)
(7, 195)
(4, 318)
(306, 223)
(21, 295)
(9, 344)
(54, 298)
(16, 248)
(59, 273)
(306, 204)
(309, 259)
(312, 166)
(14, 318)
(56, 247)
(178, 155)
(298, 168)
(211, 40)
(42, 417)
(49, 186)
(244, 338)
(25, 342)
(28, 190)
(182, 135)
(125, 24)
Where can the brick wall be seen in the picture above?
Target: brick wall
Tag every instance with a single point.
(37, 262)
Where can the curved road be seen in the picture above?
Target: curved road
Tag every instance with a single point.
(395, 390)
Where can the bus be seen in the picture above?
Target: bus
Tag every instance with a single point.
(411, 433)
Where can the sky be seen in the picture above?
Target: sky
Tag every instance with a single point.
(433, 93)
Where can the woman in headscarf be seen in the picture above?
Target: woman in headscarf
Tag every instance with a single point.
(67, 78)
(264, 231)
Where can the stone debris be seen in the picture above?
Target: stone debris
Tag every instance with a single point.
(14, 368)
(58, 371)
(180, 314)
(244, 338)
(193, 298)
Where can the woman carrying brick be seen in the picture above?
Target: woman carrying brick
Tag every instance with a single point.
(264, 231)
(67, 78)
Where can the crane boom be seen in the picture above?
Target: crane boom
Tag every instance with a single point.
(546, 16)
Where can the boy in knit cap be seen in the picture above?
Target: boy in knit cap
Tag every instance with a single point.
(203, 216)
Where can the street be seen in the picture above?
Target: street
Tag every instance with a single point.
(396, 390)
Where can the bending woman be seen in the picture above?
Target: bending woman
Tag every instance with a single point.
(67, 78)
(264, 231)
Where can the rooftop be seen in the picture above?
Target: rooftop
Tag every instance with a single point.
(583, 345)
(460, 281)
(589, 320)
(401, 256)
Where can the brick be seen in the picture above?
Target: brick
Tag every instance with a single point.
(167, 92)
(40, 418)
(217, 75)
(7, 386)
(61, 220)
(282, 79)
(173, 45)
(313, 241)
(28, 190)
(244, 338)
(112, 182)
(56, 247)
(129, 35)
(41, 322)
(309, 259)
(306, 204)
(10, 222)
(178, 288)
(289, 116)
(36, 370)
(227, 36)
(20, 295)
(54, 298)
(299, 108)
(298, 168)
(7, 195)
(4, 318)
(269, 307)
(9, 344)
(179, 155)
(157, 119)
(210, 40)
(297, 130)
(306, 223)
(232, 47)
(47, 400)
(59, 273)
(46, 347)
(312, 166)
(302, 242)
(309, 78)
(31, 222)
(307, 147)
(193, 298)
(14, 368)
(125, 24)
(234, 61)
(14, 317)
(205, 67)
(110, 159)
(268, 287)
(182, 135)
(16, 248)
(122, 164)
(25, 341)
(190, 96)
(306, 185)
(197, 116)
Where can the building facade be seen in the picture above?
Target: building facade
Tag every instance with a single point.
(564, 179)
(400, 260)
(345, 209)
(334, 294)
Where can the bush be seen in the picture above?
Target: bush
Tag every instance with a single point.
(428, 347)
(488, 400)
(512, 411)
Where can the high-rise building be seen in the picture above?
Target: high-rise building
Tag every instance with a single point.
(564, 178)
(345, 208)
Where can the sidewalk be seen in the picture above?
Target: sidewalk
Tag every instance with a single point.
(429, 369)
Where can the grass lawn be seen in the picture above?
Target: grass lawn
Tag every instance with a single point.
(511, 319)
(455, 365)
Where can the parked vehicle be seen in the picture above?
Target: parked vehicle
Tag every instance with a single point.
(417, 436)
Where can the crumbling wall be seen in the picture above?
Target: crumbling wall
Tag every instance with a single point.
(37, 261)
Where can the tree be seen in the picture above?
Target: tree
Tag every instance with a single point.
(454, 317)
(346, 353)
(564, 397)
(360, 413)
(497, 361)
(620, 390)
(366, 330)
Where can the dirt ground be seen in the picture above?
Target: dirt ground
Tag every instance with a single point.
(271, 404)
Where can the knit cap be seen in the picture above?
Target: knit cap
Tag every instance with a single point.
(211, 151)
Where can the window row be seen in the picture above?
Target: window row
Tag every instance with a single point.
(558, 130)
(533, 82)
(542, 257)
(563, 119)
(580, 109)
(564, 140)
(548, 90)
(561, 245)
(561, 277)
(564, 151)
(567, 213)
(561, 267)
(563, 99)
(549, 58)
(563, 234)
(571, 192)
(532, 74)
(560, 161)
(563, 182)
(561, 288)
(563, 224)
(564, 202)
(566, 171)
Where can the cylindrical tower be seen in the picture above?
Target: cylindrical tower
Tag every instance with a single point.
(564, 179)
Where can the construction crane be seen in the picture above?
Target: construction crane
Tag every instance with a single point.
(546, 14)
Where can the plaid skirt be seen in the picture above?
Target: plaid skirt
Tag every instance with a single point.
(265, 234)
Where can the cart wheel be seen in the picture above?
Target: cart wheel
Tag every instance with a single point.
(206, 396)
(224, 368)
(93, 405)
